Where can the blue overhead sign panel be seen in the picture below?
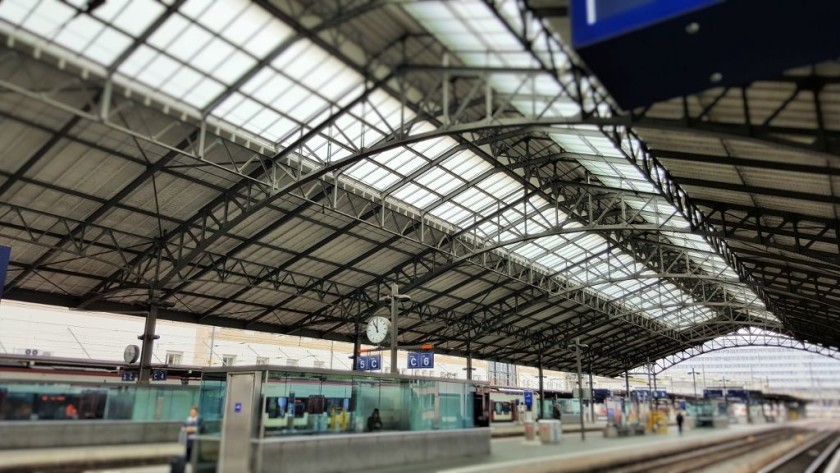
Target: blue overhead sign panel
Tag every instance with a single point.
(158, 375)
(422, 360)
(647, 51)
(427, 360)
(413, 360)
(369, 363)
(129, 376)
(740, 394)
(5, 256)
(597, 20)
(529, 398)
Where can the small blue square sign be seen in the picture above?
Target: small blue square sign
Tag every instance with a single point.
(413, 360)
(427, 360)
(237, 407)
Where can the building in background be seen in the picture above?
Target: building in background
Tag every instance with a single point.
(774, 369)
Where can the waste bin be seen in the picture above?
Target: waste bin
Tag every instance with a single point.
(550, 431)
(529, 430)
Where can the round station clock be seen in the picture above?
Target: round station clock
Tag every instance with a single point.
(131, 354)
(377, 329)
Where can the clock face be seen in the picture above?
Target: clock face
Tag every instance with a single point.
(377, 329)
(131, 353)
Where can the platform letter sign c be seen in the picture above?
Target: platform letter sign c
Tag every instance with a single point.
(5, 255)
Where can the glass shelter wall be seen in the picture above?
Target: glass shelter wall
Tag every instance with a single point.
(65, 401)
(322, 402)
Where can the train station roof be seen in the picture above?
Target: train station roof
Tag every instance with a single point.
(278, 164)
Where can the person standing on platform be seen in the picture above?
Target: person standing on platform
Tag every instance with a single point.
(191, 427)
(556, 413)
(374, 422)
(680, 422)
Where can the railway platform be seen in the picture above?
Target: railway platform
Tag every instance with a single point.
(596, 453)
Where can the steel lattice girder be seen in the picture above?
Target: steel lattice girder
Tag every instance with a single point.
(219, 223)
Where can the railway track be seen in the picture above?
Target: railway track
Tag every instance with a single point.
(811, 457)
(704, 457)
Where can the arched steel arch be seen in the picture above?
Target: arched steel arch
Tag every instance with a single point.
(748, 337)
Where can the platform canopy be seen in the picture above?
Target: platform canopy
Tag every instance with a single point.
(276, 165)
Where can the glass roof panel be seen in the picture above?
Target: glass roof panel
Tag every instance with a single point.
(439, 181)
(89, 37)
(415, 195)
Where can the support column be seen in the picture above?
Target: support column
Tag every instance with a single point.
(148, 339)
(655, 400)
(357, 345)
(469, 361)
(394, 294)
(542, 391)
(580, 387)
(626, 393)
(591, 393)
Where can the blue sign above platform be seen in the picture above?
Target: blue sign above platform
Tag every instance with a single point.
(369, 363)
(423, 360)
(647, 51)
(596, 20)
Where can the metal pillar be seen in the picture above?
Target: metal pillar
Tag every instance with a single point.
(693, 374)
(357, 345)
(655, 399)
(580, 386)
(469, 362)
(725, 395)
(591, 393)
(749, 415)
(212, 346)
(626, 393)
(394, 291)
(148, 338)
(542, 391)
